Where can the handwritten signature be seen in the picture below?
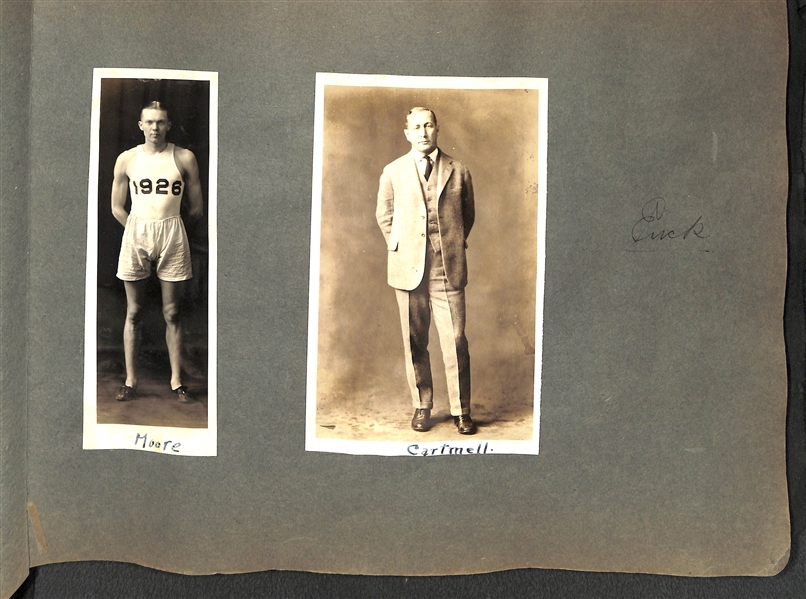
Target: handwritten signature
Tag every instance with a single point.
(649, 227)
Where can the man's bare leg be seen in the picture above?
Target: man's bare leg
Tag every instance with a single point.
(135, 296)
(172, 292)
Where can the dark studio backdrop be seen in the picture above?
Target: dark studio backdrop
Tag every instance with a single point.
(189, 105)
(495, 134)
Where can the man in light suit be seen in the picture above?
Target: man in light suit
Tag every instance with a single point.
(425, 211)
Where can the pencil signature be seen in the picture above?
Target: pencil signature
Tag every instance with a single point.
(649, 226)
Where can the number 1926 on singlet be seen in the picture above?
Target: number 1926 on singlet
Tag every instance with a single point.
(146, 186)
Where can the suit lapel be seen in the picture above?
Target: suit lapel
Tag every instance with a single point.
(445, 170)
(412, 177)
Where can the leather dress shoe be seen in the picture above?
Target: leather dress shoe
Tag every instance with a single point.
(182, 394)
(126, 393)
(465, 424)
(419, 421)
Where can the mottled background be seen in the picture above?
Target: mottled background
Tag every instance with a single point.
(361, 371)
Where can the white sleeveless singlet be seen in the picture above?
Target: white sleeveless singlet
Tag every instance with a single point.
(155, 175)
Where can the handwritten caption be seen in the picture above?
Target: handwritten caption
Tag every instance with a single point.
(143, 442)
(448, 449)
(649, 226)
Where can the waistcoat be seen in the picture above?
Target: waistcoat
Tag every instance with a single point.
(431, 200)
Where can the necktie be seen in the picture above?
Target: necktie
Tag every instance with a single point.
(428, 167)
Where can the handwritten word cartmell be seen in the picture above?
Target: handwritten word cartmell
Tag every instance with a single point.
(447, 449)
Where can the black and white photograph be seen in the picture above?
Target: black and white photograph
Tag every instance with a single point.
(426, 265)
(150, 322)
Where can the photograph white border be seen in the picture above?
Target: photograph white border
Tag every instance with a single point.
(476, 445)
(156, 439)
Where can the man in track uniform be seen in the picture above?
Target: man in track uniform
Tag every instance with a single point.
(426, 210)
(157, 175)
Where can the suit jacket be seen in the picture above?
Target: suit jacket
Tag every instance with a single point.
(403, 219)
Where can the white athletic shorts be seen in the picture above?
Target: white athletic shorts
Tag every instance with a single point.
(162, 242)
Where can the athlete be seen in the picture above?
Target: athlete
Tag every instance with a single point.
(157, 175)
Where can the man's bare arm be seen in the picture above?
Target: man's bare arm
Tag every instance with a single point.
(193, 191)
(120, 185)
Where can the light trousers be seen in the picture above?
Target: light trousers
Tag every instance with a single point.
(436, 296)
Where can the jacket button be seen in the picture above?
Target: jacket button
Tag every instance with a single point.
(423, 235)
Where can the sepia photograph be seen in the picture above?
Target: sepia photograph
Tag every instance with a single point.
(427, 262)
(150, 324)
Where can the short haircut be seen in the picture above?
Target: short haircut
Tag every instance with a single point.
(156, 105)
(421, 109)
